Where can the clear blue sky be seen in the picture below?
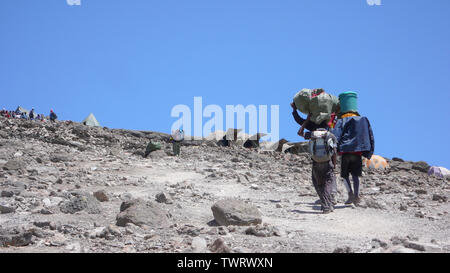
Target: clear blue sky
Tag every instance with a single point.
(129, 62)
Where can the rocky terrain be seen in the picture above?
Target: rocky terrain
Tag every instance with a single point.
(66, 187)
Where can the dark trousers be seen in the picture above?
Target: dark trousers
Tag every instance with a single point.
(324, 182)
(176, 147)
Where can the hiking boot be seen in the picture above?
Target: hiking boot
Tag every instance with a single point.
(357, 200)
(326, 211)
(351, 199)
(333, 200)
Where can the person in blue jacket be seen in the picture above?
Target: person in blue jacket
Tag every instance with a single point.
(355, 140)
(53, 116)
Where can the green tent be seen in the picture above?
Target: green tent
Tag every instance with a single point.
(91, 121)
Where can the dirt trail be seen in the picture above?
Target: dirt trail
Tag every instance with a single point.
(44, 166)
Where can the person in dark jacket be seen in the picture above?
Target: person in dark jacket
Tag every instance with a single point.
(355, 139)
(32, 114)
(53, 116)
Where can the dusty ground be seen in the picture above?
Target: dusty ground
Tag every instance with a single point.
(403, 210)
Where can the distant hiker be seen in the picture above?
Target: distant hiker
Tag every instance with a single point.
(24, 115)
(355, 139)
(322, 148)
(317, 105)
(177, 137)
(32, 114)
(53, 116)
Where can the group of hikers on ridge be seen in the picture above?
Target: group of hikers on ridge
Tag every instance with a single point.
(21, 113)
(335, 128)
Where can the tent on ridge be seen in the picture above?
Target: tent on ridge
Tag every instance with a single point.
(439, 172)
(91, 121)
(376, 162)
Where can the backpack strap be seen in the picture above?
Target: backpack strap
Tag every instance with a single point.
(325, 139)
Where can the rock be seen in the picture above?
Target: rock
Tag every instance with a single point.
(142, 213)
(126, 197)
(420, 191)
(376, 243)
(219, 246)
(422, 246)
(345, 249)
(263, 231)
(7, 193)
(398, 159)
(406, 166)
(163, 197)
(42, 224)
(113, 230)
(438, 197)
(235, 212)
(46, 211)
(99, 232)
(403, 207)
(6, 209)
(198, 245)
(402, 250)
(189, 230)
(421, 166)
(15, 238)
(52, 201)
(158, 154)
(81, 201)
(13, 165)
(101, 196)
(39, 233)
(59, 158)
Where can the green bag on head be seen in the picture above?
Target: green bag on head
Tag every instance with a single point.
(316, 102)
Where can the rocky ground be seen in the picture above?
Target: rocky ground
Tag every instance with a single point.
(66, 187)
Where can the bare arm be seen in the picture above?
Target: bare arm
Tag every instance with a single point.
(302, 129)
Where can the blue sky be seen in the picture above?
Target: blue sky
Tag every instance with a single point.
(130, 61)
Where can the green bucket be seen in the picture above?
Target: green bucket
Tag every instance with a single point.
(348, 102)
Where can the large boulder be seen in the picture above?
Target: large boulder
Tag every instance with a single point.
(142, 213)
(15, 237)
(235, 212)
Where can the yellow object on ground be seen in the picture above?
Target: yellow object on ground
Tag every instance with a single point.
(376, 162)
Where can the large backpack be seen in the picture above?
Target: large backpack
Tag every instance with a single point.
(316, 102)
(320, 146)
